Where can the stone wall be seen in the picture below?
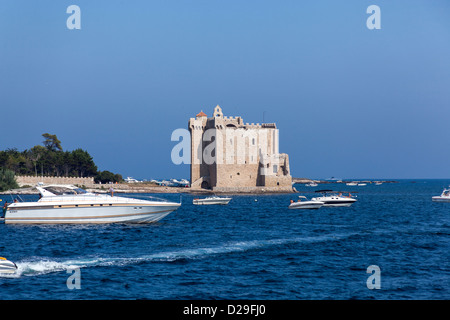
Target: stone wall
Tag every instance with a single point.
(254, 190)
(34, 180)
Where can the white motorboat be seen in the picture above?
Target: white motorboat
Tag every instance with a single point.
(211, 200)
(305, 204)
(7, 266)
(444, 197)
(334, 198)
(311, 184)
(131, 180)
(70, 204)
(351, 183)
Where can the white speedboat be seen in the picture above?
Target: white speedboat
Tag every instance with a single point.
(7, 266)
(211, 200)
(70, 204)
(334, 198)
(305, 204)
(351, 183)
(444, 197)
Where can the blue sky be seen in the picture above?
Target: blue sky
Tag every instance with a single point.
(349, 102)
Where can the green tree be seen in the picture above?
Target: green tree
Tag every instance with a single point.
(7, 180)
(35, 154)
(84, 164)
(107, 177)
(51, 142)
(50, 159)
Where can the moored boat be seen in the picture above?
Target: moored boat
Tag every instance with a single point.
(308, 204)
(211, 200)
(335, 198)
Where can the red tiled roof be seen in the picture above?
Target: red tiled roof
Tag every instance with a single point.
(201, 114)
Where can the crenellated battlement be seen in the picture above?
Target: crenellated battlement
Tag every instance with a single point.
(34, 180)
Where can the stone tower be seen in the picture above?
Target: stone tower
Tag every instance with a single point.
(230, 155)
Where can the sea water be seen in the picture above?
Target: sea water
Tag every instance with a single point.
(252, 248)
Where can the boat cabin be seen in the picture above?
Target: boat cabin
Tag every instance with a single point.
(60, 190)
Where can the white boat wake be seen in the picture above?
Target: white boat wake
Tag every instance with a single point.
(39, 266)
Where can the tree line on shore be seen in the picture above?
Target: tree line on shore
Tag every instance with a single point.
(50, 160)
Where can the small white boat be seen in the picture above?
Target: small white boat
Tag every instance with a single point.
(335, 198)
(305, 204)
(362, 184)
(7, 266)
(311, 184)
(131, 180)
(351, 184)
(211, 200)
(444, 197)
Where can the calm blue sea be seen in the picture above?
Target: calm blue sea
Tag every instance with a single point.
(253, 248)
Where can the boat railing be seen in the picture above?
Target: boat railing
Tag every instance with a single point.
(142, 197)
(88, 197)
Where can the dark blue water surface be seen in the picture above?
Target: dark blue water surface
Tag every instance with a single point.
(253, 248)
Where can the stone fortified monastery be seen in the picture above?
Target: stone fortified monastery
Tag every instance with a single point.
(229, 155)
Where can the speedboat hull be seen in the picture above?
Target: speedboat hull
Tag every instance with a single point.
(336, 201)
(211, 201)
(206, 201)
(444, 197)
(440, 199)
(86, 214)
(306, 205)
(70, 204)
(7, 266)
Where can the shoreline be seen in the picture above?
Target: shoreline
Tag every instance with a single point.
(119, 189)
(150, 188)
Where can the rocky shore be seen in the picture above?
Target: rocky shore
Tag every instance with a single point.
(153, 188)
(150, 188)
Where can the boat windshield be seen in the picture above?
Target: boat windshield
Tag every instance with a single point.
(57, 190)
